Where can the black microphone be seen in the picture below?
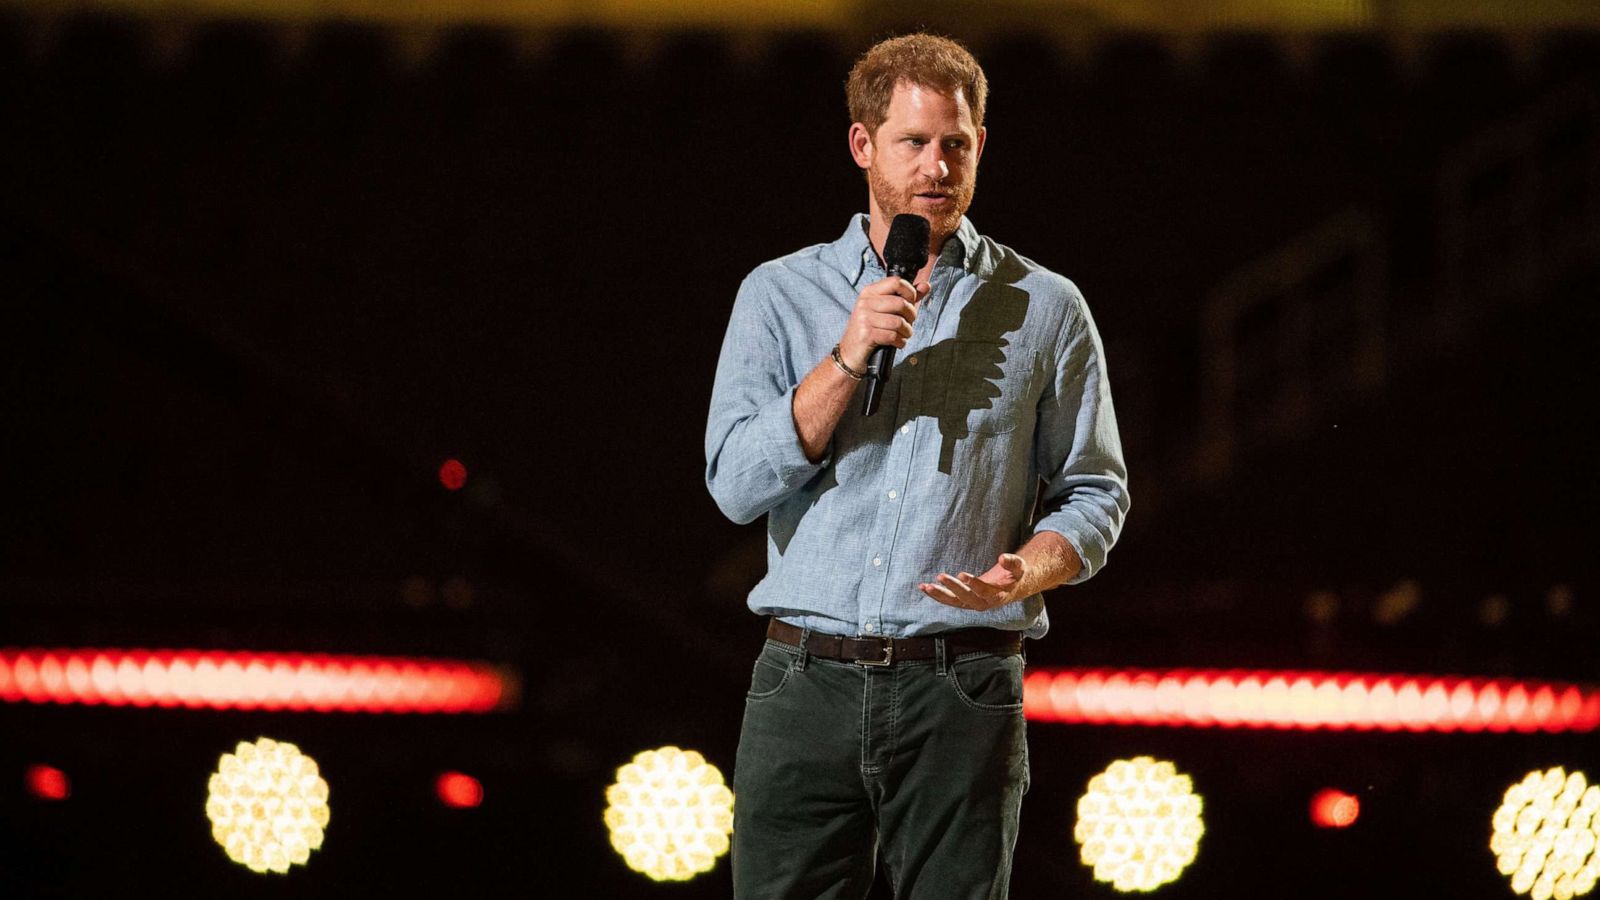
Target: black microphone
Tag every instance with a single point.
(904, 253)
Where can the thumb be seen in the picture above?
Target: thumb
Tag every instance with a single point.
(923, 289)
(1011, 562)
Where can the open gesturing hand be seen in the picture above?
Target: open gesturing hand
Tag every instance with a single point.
(996, 587)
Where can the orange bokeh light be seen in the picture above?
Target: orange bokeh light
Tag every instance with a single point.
(244, 681)
(47, 782)
(1307, 700)
(452, 474)
(459, 791)
(1333, 808)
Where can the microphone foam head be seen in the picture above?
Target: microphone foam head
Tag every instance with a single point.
(906, 248)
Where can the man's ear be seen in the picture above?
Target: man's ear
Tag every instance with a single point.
(983, 135)
(861, 148)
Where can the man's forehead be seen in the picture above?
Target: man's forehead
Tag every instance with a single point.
(905, 90)
(909, 95)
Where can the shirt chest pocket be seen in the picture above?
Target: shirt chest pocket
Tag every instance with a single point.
(989, 386)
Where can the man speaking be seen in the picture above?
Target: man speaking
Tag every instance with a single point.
(906, 549)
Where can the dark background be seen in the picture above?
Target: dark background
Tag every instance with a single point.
(259, 282)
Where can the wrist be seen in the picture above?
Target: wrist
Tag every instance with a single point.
(854, 373)
(857, 358)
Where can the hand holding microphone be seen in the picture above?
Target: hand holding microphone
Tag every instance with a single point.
(884, 313)
(885, 310)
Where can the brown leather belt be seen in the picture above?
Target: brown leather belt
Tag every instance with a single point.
(882, 651)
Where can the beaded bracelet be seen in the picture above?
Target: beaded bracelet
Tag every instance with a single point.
(852, 374)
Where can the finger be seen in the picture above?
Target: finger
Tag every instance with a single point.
(888, 334)
(896, 307)
(974, 593)
(942, 595)
(890, 317)
(894, 287)
(896, 324)
(887, 338)
(892, 306)
(888, 321)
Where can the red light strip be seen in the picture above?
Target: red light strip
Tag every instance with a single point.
(1309, 701)
(292, 682)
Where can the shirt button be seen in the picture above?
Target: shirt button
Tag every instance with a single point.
(893, 495)
(867, 627)
(876, 561)
(904, 428)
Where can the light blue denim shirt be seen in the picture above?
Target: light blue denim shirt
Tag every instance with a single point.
(996, 423)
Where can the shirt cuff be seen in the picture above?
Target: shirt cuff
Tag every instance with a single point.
(780, 442)
(1084, 540)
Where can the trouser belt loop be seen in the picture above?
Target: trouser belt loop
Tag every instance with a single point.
(805, 655)
(939, 656)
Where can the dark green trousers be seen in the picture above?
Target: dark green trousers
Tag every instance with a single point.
(921, 765)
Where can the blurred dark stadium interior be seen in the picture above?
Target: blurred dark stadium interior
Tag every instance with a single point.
(260, 278)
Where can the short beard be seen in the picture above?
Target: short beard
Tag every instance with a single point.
(893, 203)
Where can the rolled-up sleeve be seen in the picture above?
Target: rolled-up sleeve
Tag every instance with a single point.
(1077, 449)
(753, 454)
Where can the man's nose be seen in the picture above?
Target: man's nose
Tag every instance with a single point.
(934, 166)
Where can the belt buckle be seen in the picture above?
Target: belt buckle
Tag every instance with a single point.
(888, 655)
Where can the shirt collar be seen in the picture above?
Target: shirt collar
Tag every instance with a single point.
(853, 252)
